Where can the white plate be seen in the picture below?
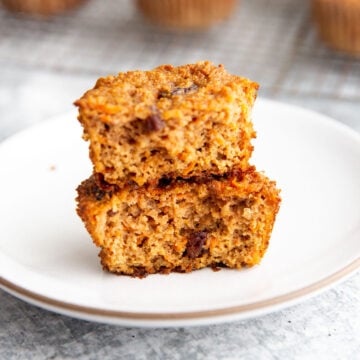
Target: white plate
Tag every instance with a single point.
(48, 259)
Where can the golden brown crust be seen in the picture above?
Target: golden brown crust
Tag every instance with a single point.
(174, 121)
(338, 24)
(41, 7)
(182, 226)
(186, 14)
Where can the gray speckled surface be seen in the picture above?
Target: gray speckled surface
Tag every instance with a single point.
(325, 327)
(32, 89)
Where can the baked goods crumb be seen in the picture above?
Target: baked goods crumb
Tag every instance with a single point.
(187, 225)
(170, 121)
(172, 188)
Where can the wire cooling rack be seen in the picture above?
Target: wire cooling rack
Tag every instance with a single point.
(272, 42)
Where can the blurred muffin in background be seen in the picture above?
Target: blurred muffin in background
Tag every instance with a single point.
(338, 23)
(186, 14)
(41, 7)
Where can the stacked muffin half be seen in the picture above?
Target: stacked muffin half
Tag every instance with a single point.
(172, 188)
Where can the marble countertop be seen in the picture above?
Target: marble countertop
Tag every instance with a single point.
(45, 66)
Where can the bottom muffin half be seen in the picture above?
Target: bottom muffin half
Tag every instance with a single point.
(180, 225)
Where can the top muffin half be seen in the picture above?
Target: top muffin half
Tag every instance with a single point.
(187, 121)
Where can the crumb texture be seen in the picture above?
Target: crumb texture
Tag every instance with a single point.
(171, 121)
(172, 188)
(182, 226)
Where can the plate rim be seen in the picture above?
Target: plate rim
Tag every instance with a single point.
(186, 317)
(210, 316)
